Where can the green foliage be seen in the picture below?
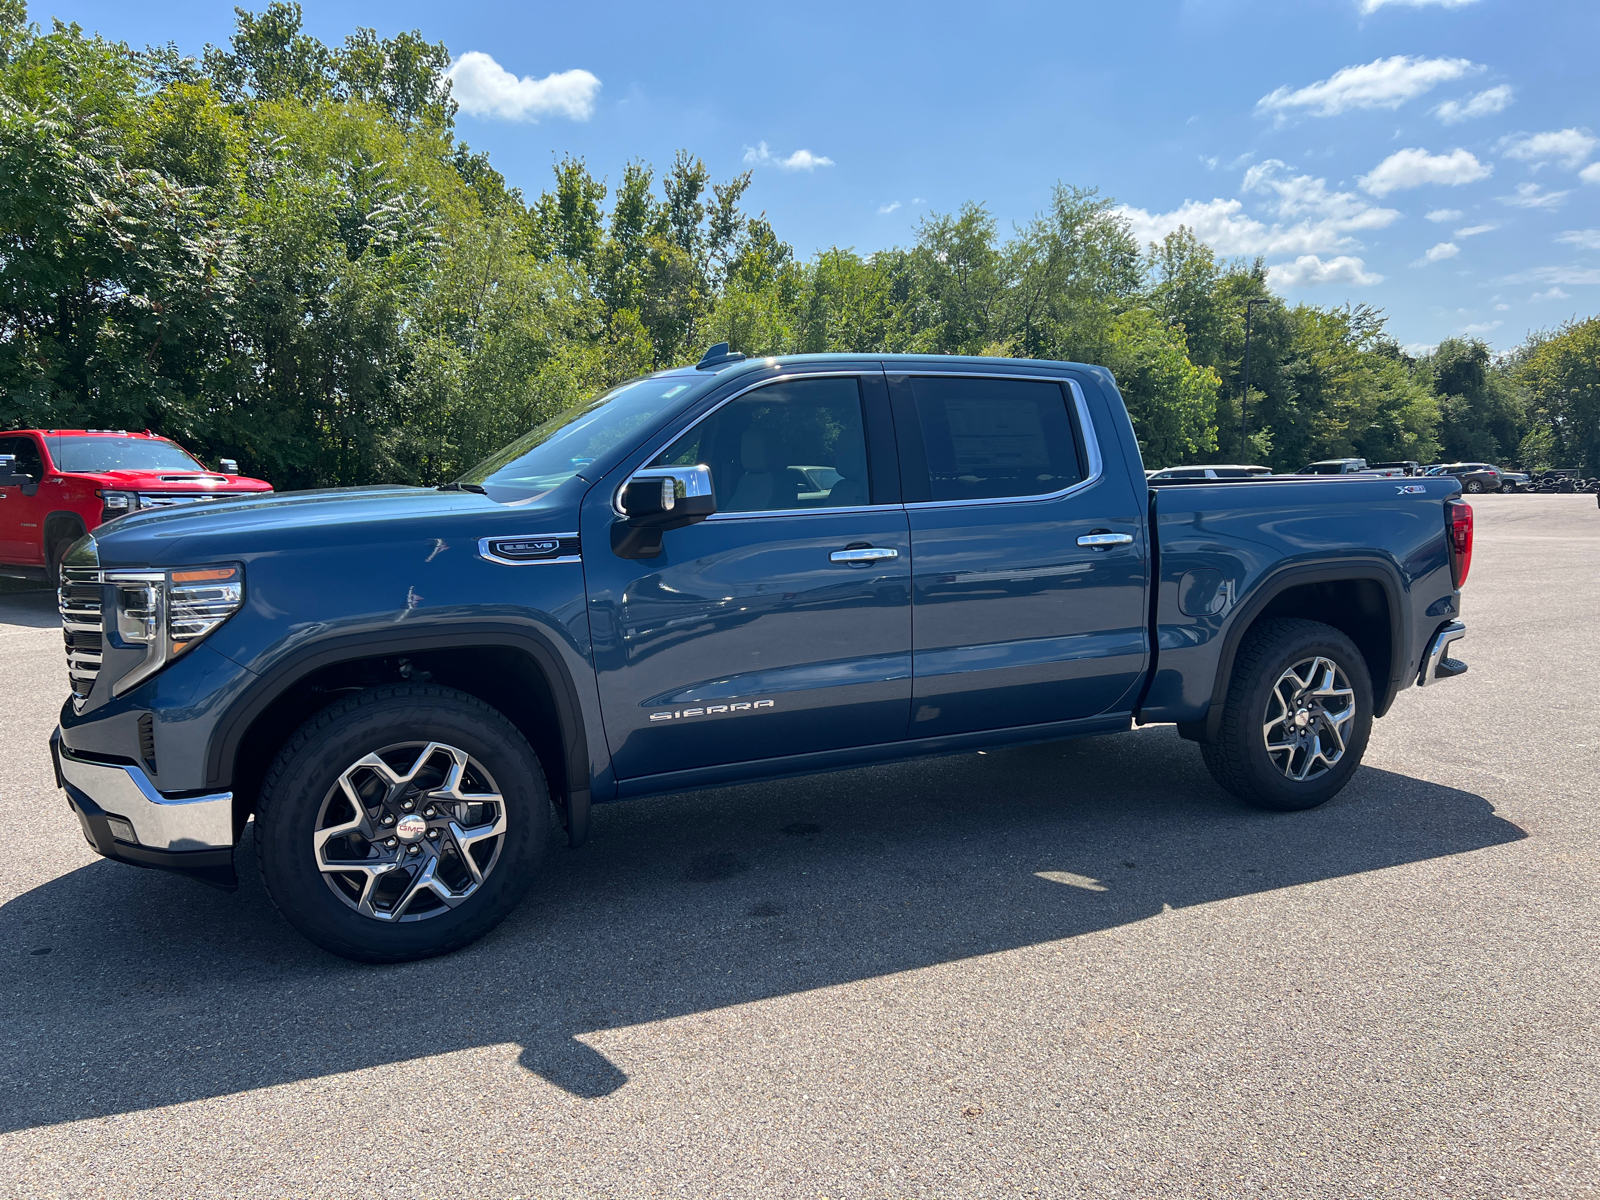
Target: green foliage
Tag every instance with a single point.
(1561, 374)
(278, 251)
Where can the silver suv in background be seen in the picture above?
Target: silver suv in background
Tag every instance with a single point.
(1224, 471)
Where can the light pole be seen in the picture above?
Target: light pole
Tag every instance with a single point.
(1244, 400)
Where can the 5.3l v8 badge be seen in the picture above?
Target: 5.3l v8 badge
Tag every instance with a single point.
(530, 548)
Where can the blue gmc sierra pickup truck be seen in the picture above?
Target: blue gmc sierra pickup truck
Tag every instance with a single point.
(742, 569)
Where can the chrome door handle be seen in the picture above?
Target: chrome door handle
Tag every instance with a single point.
(866, 554)
(1106, 539)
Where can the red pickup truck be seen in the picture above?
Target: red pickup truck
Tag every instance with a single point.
(58, 484)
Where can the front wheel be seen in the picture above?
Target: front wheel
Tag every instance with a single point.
(401, 823)
(1296, 719)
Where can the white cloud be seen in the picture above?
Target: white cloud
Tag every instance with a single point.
(486, 89)
(1310, 271)
(1420, 349)
(1439, 253)
(1484, 327)
(1571, 276)
(1590, 174)
(1372, 6)
(1383, 83)
(1446, 214)
(1554, 293)
(1531, 195)
(1312, 219)
(1485, 104)
(1502, 308)
(1475, 230)
(1415, 167)
(885, 209)
(1588, 239)
(1571, 146)
(801, 160)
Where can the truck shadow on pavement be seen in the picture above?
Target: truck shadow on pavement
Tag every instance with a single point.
(128, 989)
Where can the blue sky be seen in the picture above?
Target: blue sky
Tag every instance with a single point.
(1437, 158)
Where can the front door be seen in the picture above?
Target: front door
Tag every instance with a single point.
(22, 507)
(1019, 620)
(751, 636)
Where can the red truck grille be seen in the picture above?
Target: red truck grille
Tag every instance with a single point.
(81, 628)
(168, 499)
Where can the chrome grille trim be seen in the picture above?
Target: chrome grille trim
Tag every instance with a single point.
(169, 499)
(82, 629)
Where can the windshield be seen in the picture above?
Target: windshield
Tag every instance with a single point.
(545, 458)
(93, 455)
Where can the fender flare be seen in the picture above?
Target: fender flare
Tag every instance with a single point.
(1274, 584)
(227, 735)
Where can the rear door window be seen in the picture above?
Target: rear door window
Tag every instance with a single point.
(990, 439)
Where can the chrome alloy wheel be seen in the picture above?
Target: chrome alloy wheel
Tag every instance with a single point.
(410, 831)
(1308, 720)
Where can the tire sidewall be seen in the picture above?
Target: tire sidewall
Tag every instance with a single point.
(309, 766)
(1272, 787)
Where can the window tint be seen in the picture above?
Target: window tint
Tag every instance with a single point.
(991, 438)
(794, 445)
(26, 452)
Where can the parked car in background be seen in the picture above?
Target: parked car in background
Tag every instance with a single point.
(1334, 466)
(1407, 467)
(1475, 477)
(1224, 471)
(1514, 481)
(58, 484)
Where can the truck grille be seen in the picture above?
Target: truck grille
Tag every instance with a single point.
(168, 499)
(81, 628)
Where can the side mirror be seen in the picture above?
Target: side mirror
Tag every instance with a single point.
(655, 500)
(228, 466)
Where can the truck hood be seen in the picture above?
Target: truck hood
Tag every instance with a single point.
(171, 481)
(359, 518)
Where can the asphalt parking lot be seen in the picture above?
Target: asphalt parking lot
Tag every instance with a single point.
(1063, 970)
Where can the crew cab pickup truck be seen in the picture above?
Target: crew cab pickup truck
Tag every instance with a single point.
(743, 569)
(58, 484)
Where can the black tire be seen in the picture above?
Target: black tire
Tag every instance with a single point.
(1239, 759)
(58, 551)
(1474, 486)
(300, 788)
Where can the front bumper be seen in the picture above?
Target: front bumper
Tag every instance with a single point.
(125, 818)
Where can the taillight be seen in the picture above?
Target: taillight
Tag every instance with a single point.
(1458, 528)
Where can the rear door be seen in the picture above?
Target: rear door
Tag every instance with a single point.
(1028, 551)
(749, 637)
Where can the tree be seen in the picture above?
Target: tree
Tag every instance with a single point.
(1561, 372)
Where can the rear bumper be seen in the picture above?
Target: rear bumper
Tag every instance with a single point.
(125, 818)
(1437, 663)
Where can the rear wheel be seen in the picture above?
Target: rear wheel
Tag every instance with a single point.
(1474, 486)
(1296, 719)
(402, 823)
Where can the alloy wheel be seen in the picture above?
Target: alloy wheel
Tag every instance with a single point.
(409, 831)
(1309, 715)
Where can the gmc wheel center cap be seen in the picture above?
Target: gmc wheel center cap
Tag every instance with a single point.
(410, 828)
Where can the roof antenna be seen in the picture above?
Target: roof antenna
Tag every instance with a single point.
(717, 356)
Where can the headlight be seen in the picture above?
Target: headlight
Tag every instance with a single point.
(167, 612)
(115, 504)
